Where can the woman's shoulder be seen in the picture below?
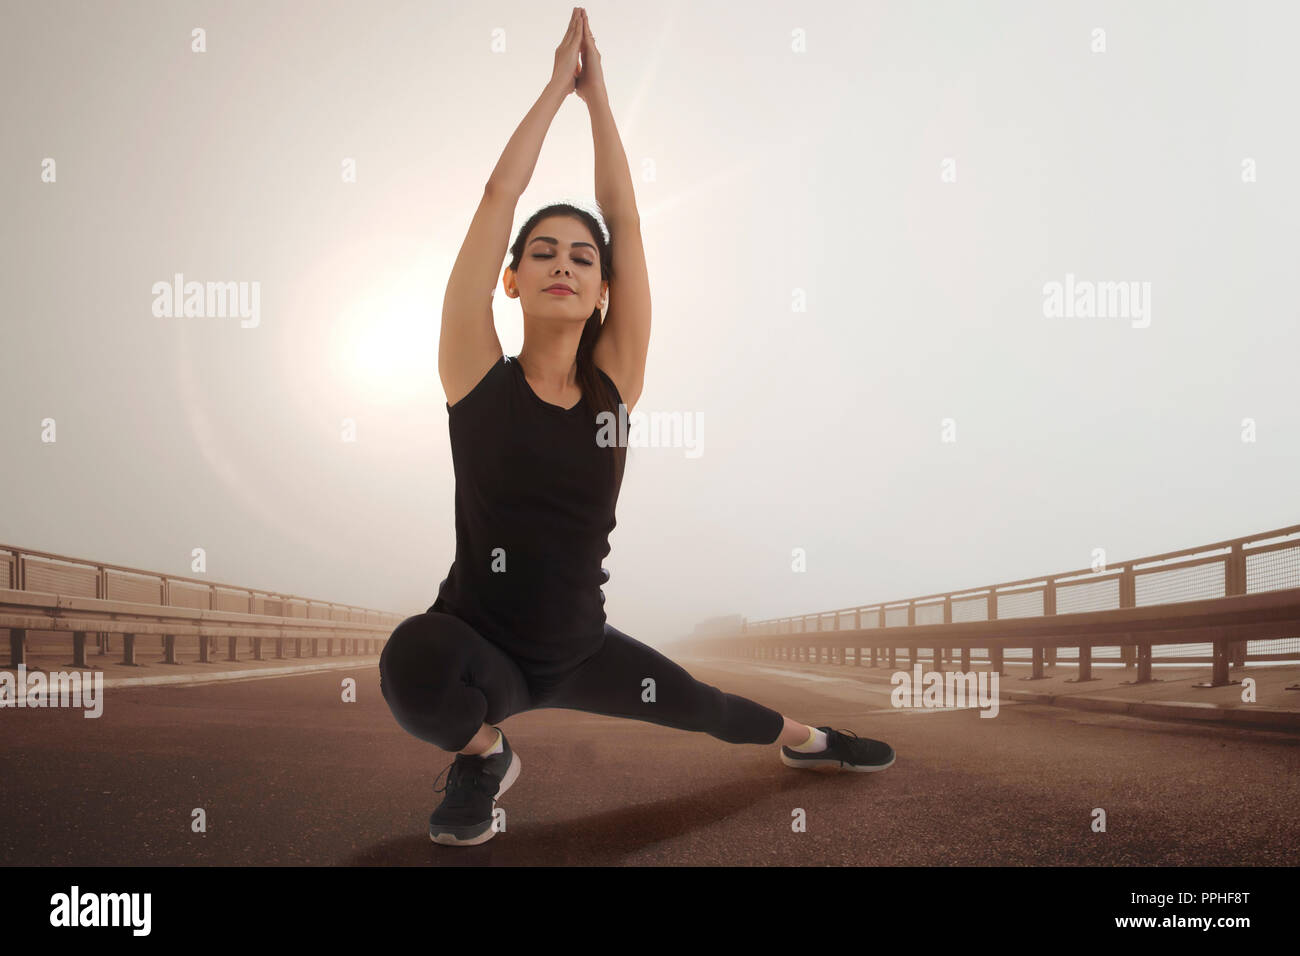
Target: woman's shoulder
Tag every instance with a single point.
(494, 372)
(618, 399)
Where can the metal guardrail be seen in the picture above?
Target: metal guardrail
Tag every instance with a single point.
(994, 617)
(84, 597)
(21, 611)
(1221, 621)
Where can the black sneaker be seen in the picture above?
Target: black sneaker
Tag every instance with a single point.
(845, 750)
(464, 818)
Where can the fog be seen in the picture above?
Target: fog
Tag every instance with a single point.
(854, 218)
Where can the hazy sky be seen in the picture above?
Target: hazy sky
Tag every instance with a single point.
(850, 211)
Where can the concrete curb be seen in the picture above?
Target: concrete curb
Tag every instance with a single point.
(233, 675)
(1270, 718)
(201, 677)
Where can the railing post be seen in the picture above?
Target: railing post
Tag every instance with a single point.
(947, 619)
(78, 648)
(880, 629)
(1144, 663)
(995, 653)
(1127, 598)
(231, 651)
(101, 592)
(857, 627)
(1049, 608)
(1085, 664)
(128, 649)
(1221, 652)
(1235, 584)
(914, 651)
(169, 648)
(17, 646)
(938, 657)
(1039, 651)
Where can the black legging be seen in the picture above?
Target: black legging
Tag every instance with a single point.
(443, 680)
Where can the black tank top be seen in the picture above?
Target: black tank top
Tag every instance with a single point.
(535, 500)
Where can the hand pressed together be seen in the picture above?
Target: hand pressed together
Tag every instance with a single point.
(577, 61)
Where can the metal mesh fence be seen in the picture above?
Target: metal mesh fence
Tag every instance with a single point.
(1199, 576)
(1272, 571)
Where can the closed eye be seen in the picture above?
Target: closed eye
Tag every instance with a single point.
(585, 262)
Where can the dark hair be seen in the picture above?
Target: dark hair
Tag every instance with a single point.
(595, 393)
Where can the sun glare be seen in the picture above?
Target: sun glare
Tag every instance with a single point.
(385, 343)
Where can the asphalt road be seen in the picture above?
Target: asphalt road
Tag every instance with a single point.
(287, 773)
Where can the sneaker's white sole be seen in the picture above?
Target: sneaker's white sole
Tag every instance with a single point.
(449, 839)
(832, 764)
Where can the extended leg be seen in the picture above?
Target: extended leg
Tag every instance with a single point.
(627, 678)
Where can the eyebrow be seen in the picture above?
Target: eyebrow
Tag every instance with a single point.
(556, 242)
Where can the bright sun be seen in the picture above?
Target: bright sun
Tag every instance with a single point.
(385, 343)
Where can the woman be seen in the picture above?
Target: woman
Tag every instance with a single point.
(518, 623)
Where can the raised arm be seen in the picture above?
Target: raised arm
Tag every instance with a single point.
(468, 345)
(625, 334)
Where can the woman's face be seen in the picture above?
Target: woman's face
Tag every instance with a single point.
(560, 251)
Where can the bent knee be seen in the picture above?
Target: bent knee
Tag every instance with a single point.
(427, 641)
